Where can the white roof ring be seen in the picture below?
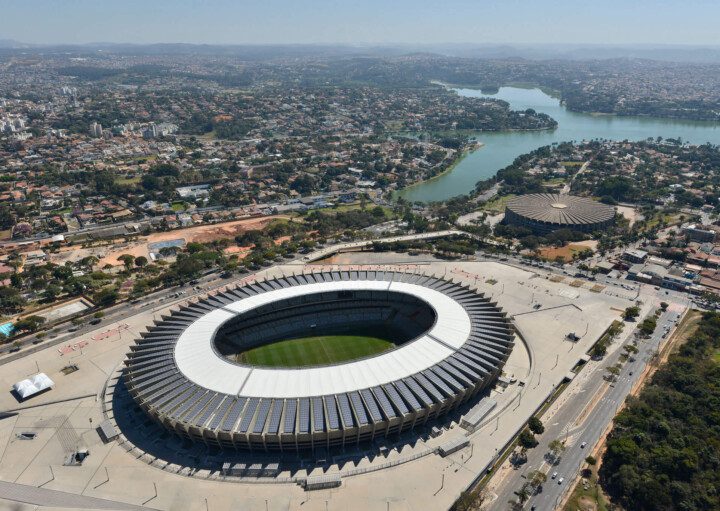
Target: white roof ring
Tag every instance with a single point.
(200, 363)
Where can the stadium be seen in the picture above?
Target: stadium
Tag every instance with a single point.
(318, 360)
(544, 213)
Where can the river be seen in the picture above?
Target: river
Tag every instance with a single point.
(501, 148)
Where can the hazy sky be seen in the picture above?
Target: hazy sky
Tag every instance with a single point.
(362, 21)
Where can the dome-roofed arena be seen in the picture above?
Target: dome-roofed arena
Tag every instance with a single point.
(544, 213)
(445, 344)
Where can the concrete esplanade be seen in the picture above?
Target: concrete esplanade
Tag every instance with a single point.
(544, 213)
(453, 344)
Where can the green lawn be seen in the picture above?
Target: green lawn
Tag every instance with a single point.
(127, 180)
(498, 204)
(311, 351)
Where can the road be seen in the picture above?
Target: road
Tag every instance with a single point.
(575, 423)
(328, 251)
(566, 189)
(117, 312)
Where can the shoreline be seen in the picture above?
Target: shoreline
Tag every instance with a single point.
(476, 146)
(553, 93)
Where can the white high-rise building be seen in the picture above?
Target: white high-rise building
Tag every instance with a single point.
(150, 132)
(96, 130)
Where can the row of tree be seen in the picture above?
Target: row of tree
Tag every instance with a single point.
(664, 450)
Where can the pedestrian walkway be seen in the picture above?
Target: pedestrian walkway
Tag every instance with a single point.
(55, 498)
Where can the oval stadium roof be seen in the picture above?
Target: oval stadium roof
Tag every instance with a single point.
(560, 209)
(176, 375)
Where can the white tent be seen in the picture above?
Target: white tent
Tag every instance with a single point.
(33, 385)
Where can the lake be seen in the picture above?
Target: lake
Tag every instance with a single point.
(501, 148)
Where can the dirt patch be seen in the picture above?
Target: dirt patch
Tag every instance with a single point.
(198, 234)
(207, 233)
(566, 252)
(587, 504)
(630, 213)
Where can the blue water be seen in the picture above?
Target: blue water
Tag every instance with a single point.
(501, 148)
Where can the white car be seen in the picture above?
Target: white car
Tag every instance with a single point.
(554, 475)
(561, 480)
(582, 445)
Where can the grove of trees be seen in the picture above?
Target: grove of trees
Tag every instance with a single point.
(664, 450)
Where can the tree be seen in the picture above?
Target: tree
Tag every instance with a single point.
(29, 323)
(88, 262)
(648, 326)
(469, 501)
(105, 297)
(303, 184)
(527, 439)
(590, 460)
(599, 350)
(10, 299)
(127, 260)
(630, 348)
(537, 479)
(631, 312)
(556, 449)
(536, 425)
(519, 457)
(515, 505)
(615, 329)
(141, 261)
(195, 247)
(523, 493)
(613, 370)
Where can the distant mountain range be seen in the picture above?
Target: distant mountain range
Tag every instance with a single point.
(11, 43)
(672, 53)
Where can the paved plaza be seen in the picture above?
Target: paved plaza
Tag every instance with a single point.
(409, 478)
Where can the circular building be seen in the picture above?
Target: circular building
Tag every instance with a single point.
(449, 343)
(544, 213)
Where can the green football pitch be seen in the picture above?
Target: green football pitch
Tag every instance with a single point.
(313, 351)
